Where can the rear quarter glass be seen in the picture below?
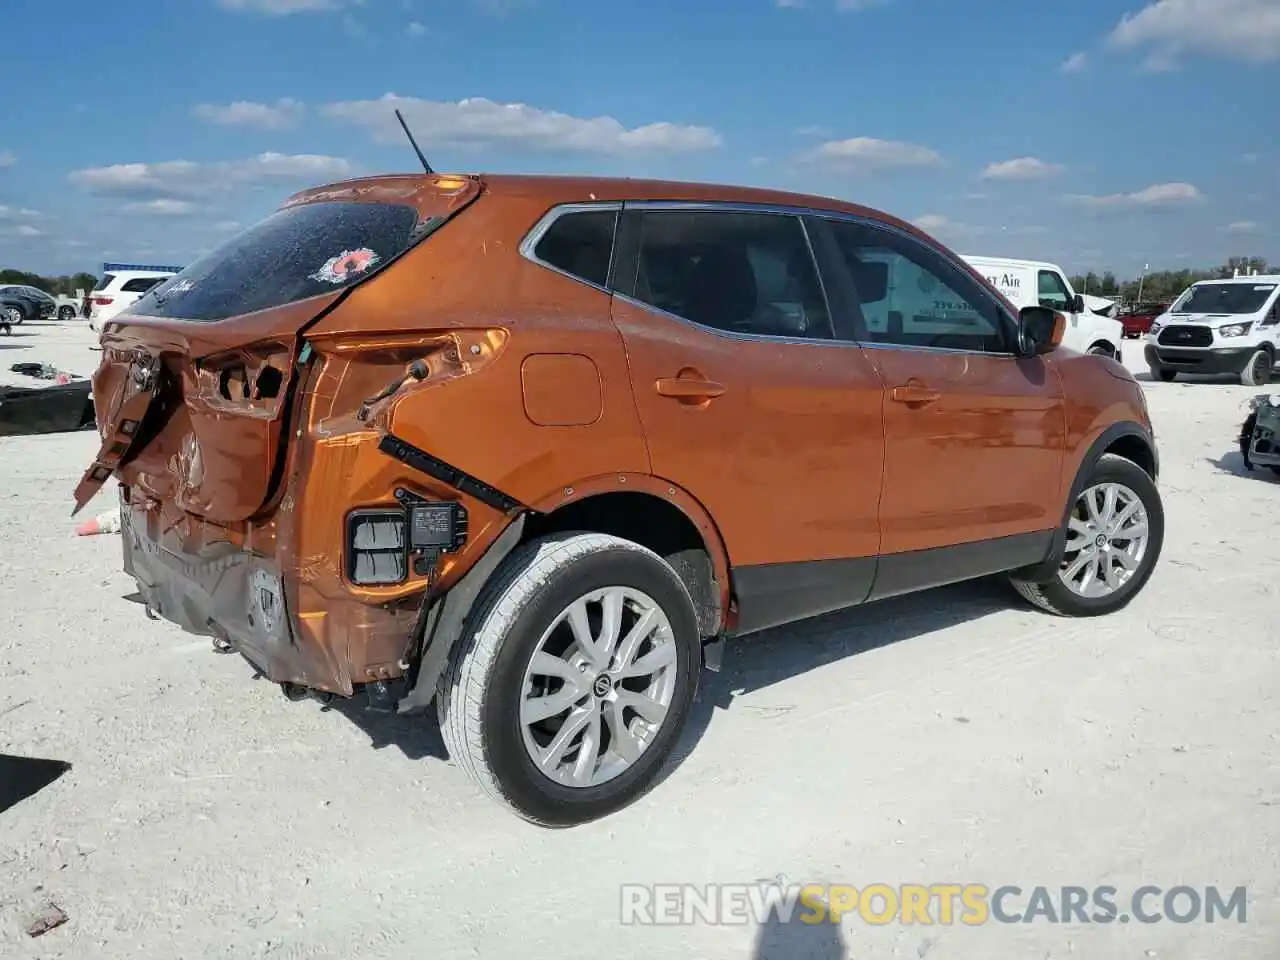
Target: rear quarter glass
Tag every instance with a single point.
(296, 253)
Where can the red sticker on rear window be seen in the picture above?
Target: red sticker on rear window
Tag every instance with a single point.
(346, 266)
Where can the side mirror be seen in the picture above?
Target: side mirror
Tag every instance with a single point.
(1040, 330)
(1077, 304)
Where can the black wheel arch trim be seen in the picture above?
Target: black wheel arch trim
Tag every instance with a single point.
(1042, 572)
(443, 616)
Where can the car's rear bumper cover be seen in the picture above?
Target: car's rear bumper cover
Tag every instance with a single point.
(246, 602)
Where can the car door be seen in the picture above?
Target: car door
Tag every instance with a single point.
(750, 404)
(1052, 291)
(973, 433)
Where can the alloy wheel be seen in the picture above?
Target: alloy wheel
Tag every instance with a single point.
(1107, 537)
(598, 686)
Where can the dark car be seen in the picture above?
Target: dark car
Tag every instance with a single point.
(20, 303)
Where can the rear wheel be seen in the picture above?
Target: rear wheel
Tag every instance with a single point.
(1115, 531)
(575, 675)
(1257, 372)
(1102, 350)
(13, 315)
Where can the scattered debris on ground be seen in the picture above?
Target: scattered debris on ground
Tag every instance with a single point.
(50, 917)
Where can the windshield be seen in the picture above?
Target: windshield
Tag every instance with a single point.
(1224, 298)
(295, 253)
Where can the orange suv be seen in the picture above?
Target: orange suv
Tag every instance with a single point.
(528, 448)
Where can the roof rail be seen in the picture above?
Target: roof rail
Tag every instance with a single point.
(109, 267)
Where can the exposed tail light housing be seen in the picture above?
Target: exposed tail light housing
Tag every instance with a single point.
(103, 301)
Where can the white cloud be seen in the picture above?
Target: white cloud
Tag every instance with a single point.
(868, 155)
(1156, 196)
(1237, 29)
(7, 158)
(1243, 226)
(18, 213)
(937, 225)
(479, 122)
(280, 115)
(277, 8)
(185, 178)
(1023, 168)
(161, 207)
(26, 230)
(1075, 63)
(415, 29)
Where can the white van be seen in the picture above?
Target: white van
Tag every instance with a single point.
(1034, 283)
(1219, 326)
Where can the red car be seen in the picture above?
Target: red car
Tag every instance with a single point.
(1137, 319)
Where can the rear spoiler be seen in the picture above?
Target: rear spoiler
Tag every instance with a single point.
(150, 268)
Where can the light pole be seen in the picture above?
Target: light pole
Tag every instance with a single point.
(1142, 280)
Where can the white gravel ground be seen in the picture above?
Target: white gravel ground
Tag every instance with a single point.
(955, 736)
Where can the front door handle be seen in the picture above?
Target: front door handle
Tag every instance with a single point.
(688, 389)
(914, 393)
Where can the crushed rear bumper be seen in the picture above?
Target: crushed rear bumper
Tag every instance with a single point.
(246, 603)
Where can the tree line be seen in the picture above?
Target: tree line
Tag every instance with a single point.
(57, 286)
(1162, 285)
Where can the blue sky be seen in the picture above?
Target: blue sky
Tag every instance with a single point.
(1099, 134)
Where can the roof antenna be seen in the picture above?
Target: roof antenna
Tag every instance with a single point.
(414, 143)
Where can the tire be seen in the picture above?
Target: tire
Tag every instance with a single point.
(13, 316)
(1246, 438)
(1102, 350)
(1055, 596)
(521, 612)
(66, 314)
(1257, 372)
(1163, 374)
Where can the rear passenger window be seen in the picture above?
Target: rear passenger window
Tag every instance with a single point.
(911, 296)
(140, 284)
(580, 244)
(744, 273)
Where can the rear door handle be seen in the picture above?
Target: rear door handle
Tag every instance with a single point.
(914, 393)
(684, 388)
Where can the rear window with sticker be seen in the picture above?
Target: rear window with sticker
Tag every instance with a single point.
(295, 253)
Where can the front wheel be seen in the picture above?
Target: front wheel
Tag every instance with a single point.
(1102, 350)
(66, 314)
(575, 675)
(1257, 372)
(1163, 374)
(1115, 531)
(13, 316)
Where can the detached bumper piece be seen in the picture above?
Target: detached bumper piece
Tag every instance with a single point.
(1260, 435)
(63, 408)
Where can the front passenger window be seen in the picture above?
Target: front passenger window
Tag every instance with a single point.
(911, 296)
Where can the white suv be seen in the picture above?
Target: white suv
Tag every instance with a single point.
(1219, 326)
(121, 286)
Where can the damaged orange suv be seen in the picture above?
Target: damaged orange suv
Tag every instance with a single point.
(528, 448)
